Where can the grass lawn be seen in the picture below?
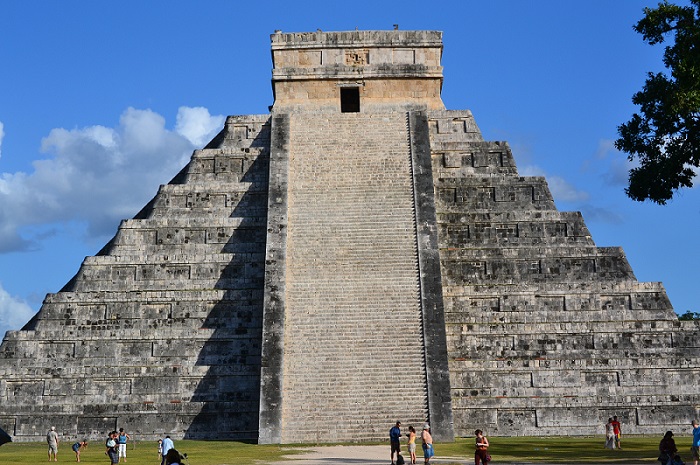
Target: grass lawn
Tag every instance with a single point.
(590, 450)
(564, 450)
(146, 453)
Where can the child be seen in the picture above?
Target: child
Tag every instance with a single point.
(77, 447)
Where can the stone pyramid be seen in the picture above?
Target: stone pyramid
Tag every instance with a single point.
(357, 256)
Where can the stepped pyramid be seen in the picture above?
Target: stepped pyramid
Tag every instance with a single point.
(357, 256)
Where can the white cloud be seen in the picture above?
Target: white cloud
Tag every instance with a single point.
(14, 313)
(605, 147)
(197, 125)
(98, 175)
(561, 189)
(2, 134)
(611, 165)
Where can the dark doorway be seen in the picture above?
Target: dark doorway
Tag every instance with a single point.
(349, 99)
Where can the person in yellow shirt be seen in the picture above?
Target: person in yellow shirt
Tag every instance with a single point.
(412, 443)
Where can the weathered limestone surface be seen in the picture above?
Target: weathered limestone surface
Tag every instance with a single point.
(352, 280)
(314, 275)
(547, 333)
(161, 331)
(393, 70)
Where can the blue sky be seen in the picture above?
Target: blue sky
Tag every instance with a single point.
(100, 102)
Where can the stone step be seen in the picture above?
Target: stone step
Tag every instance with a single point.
(351, 261)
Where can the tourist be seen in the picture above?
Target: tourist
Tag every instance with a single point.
(173, 457)
(160, 450)
(122, 439)
(112, 451)
(77, 447)
(412, 443)
(609, 435)
(428, 450)
(695, 448)
(52, 440)
(617, 431)
(667, 449)
(167, 445)
(481, 454)
(395, 440)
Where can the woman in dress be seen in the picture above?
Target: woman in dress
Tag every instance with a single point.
(609, 434)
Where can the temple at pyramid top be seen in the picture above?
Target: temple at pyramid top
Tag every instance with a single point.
(356, 71)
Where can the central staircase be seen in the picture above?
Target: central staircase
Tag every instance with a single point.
(353, 311)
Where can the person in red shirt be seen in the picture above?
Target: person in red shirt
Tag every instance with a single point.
(617, 431)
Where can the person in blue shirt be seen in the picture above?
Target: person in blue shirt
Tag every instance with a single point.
(395, 438)
(167, 445)
(77, 447)
(695, 449)
(122, 439)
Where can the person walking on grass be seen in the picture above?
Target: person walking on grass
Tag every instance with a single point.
(112, 451)
(167, 445)
(617, 431)
(609, 435)
(481, 454)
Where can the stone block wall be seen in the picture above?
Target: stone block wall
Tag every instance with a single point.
(391, 69)
(547, 333)
(160, 333)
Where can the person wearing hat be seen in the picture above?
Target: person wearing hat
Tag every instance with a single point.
(667, 448)
(52, 440)
(427, 439)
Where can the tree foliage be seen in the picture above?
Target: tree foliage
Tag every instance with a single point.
(665, 135)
